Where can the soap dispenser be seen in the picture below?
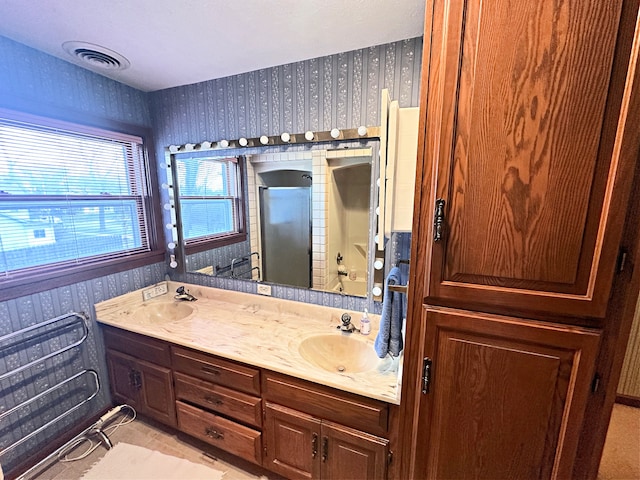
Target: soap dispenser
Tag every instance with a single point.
(365, 324)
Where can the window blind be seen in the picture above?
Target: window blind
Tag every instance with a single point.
(69, 194)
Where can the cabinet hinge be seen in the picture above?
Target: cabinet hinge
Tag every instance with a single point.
(595, 383)
(426, 374)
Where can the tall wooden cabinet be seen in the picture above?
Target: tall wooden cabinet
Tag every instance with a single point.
(527, 151)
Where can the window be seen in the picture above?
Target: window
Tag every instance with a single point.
(70, 195)
(210, 200)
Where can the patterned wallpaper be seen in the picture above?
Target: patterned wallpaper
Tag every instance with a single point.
(33, 81)
(341, 91)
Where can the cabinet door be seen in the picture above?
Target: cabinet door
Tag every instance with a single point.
(122, 370)
(349, 453)
(292, 442)
(506, 397)
(525, 144)
(157, 393)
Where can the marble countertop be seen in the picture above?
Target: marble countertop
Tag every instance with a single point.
(256, 330)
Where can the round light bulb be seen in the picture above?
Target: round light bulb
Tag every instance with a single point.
(264, 139)
(377, 291)
(378, 264)
(165, 186)
(285, 137)
(378, 211)
(173, 264)
(168, 206)
(243, 142)
(309, 135)
(188, 147)
(377, 239)
(169, 226)
(362, 130)
(335, 133)
(224, 143)
(171, 245)
(378, 182)
(173, 148)
(205, 145)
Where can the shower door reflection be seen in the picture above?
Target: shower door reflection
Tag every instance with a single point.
(285, 225)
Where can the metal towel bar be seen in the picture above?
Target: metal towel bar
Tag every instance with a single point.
(92, 373)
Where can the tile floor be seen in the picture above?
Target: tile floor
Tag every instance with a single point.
(620, 460)
(154, 436)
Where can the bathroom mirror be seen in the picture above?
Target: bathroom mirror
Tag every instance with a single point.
(308, 216)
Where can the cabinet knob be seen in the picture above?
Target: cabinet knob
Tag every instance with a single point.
(213, 400)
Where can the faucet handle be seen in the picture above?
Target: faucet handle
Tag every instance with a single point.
(346, 319)
(180, 290)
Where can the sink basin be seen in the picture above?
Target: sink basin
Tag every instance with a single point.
(165, 311)
(339, 353)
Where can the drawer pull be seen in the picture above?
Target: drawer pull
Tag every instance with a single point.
(213, 400)
(314, 445)
(210, 370)
(213, 433)
(325, 448)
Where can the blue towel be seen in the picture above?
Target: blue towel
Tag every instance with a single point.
(389, 339)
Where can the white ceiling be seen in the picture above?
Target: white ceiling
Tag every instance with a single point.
(178, 42)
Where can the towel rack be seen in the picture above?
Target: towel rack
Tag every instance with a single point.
(62, 321)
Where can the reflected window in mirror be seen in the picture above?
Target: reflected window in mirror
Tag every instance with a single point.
(210, 200)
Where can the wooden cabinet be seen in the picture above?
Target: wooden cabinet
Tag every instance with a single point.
(525, 110)
(300, 445)
(506, 396)
(527, 151)
(144, 385)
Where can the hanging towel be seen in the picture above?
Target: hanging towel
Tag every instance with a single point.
(389, 339)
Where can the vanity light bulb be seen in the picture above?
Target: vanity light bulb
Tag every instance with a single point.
(169, 226)
(224, 143)
(378, 211)
(362, 130)
(376, 291)
(173, 264)
(205, 145)
(377, 239)
(171, 245)
(173, 148)
(378, 183)
(188, 147)
(335, 133)
(264, 139)
(309, 135)
(166, 186)
(168, 206)
(378, 264)
(243, 142)
(285, 137)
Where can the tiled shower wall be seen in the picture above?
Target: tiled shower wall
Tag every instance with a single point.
(35, 82)
(341, 91)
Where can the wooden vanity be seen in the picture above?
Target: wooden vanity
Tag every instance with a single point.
(294, 427)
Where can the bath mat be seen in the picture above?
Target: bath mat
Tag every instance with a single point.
(130, 462)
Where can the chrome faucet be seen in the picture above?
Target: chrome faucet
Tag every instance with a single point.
(182, 294)
(347, 326)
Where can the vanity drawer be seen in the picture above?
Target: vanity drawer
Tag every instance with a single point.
(140, 346)
(212, 369)
(240, 406)
(231, 437)
(343, 407)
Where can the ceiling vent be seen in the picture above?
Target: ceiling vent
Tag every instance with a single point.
(95, 57)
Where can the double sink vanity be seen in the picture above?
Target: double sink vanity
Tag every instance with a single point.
(272, 381)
